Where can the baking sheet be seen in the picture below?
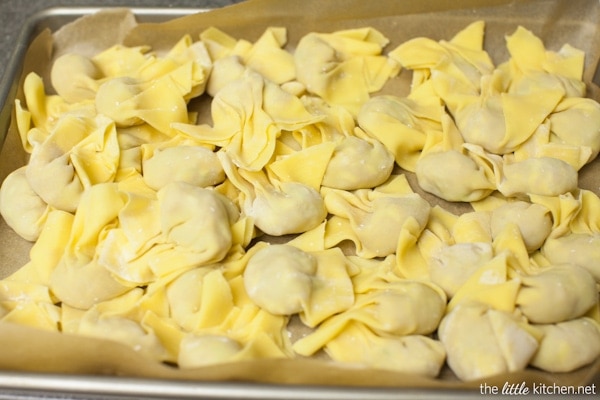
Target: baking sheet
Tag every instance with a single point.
(557, 22)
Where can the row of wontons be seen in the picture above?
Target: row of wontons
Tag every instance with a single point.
(148, 226)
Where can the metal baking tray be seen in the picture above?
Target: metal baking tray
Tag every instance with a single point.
(28, 385)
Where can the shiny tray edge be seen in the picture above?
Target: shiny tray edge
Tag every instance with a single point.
(112, 388)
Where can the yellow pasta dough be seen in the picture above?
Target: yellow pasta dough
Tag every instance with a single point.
(576, 248)
(34, 314)
(358, 164)
(23, 210)
(195, 165)
(462, 57)
(279, 279)
(57, 171)
(401, 124)
(482, 342)
(200, 350)
(248, 115)
(277, 208)
(556, 294)
(451, 266)
(534, 222)
(343, 67)
(199, 298)
(197, 219)
(545, 176)
(285, 280)
(398, 308)
(567, 345)
(74, 77)
(412, 354)
(576, 121)
(113, 318)
(129, 102)
(453, 176)
(377, 218)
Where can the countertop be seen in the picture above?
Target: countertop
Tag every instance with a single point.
(14, 13)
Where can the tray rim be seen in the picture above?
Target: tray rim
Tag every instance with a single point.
(109, 387)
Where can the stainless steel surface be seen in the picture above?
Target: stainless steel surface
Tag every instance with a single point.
(127, 388)
(26, 386)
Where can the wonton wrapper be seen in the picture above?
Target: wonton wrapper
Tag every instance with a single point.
(285, 280)
(195, 165)
(377, 218)
(74, 77)
(277, 208)
(567, 345)
(481, 342)
(451, 266)
(79, 152)
(576, 248)
(358, 164)
(401, 124)
(534, 222)
(419, 304)
(556, 294)
(344, 67)
(413, 354)
(22, 209)
(453, 176)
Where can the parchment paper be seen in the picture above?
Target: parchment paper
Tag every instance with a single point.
(556, 22)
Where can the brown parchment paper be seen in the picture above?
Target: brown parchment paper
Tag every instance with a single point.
(557, 22)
